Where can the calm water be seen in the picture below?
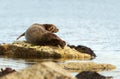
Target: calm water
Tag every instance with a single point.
(93, 23)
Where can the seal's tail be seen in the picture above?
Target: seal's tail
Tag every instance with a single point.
(21, 36)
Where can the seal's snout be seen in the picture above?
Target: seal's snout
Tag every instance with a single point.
(56, 30)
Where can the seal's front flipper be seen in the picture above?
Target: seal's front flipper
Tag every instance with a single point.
(21, 36)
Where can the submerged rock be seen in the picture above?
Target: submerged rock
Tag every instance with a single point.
(87, 66)
(91, 75)
(46, 70)
(27, 50)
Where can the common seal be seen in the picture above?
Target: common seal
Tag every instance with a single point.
(42, 34)
(46, 27)
(51, 39)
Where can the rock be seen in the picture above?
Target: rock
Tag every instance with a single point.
(87, 66)
(83, 49)
(2, 50)
(27, 50)
(91, 75)
(6, 71)
(46, 70)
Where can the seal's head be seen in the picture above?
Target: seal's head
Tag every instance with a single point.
(51, 27)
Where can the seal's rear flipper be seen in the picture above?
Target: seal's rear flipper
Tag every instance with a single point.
(21, 36)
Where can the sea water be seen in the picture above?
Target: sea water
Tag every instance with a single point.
(93, 23)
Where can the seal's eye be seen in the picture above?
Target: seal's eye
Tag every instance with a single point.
(48, 27)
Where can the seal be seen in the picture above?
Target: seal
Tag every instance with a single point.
(43, 34)
(48, 27)
(51, 39)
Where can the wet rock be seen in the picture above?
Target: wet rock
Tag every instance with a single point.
(83, 49)
(27, 50)
(2, 49)
(91, 75)
(46, 70)
(6, 71)
(87, 66)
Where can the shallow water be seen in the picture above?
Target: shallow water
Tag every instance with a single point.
(93, 23)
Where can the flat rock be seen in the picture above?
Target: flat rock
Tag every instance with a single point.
(27, 50)
(46, 70)
(87, 66)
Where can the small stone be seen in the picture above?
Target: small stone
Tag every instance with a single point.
(6, 71)
(91, 75)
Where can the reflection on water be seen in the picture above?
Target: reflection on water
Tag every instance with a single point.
(13, 63)
(18, 63)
